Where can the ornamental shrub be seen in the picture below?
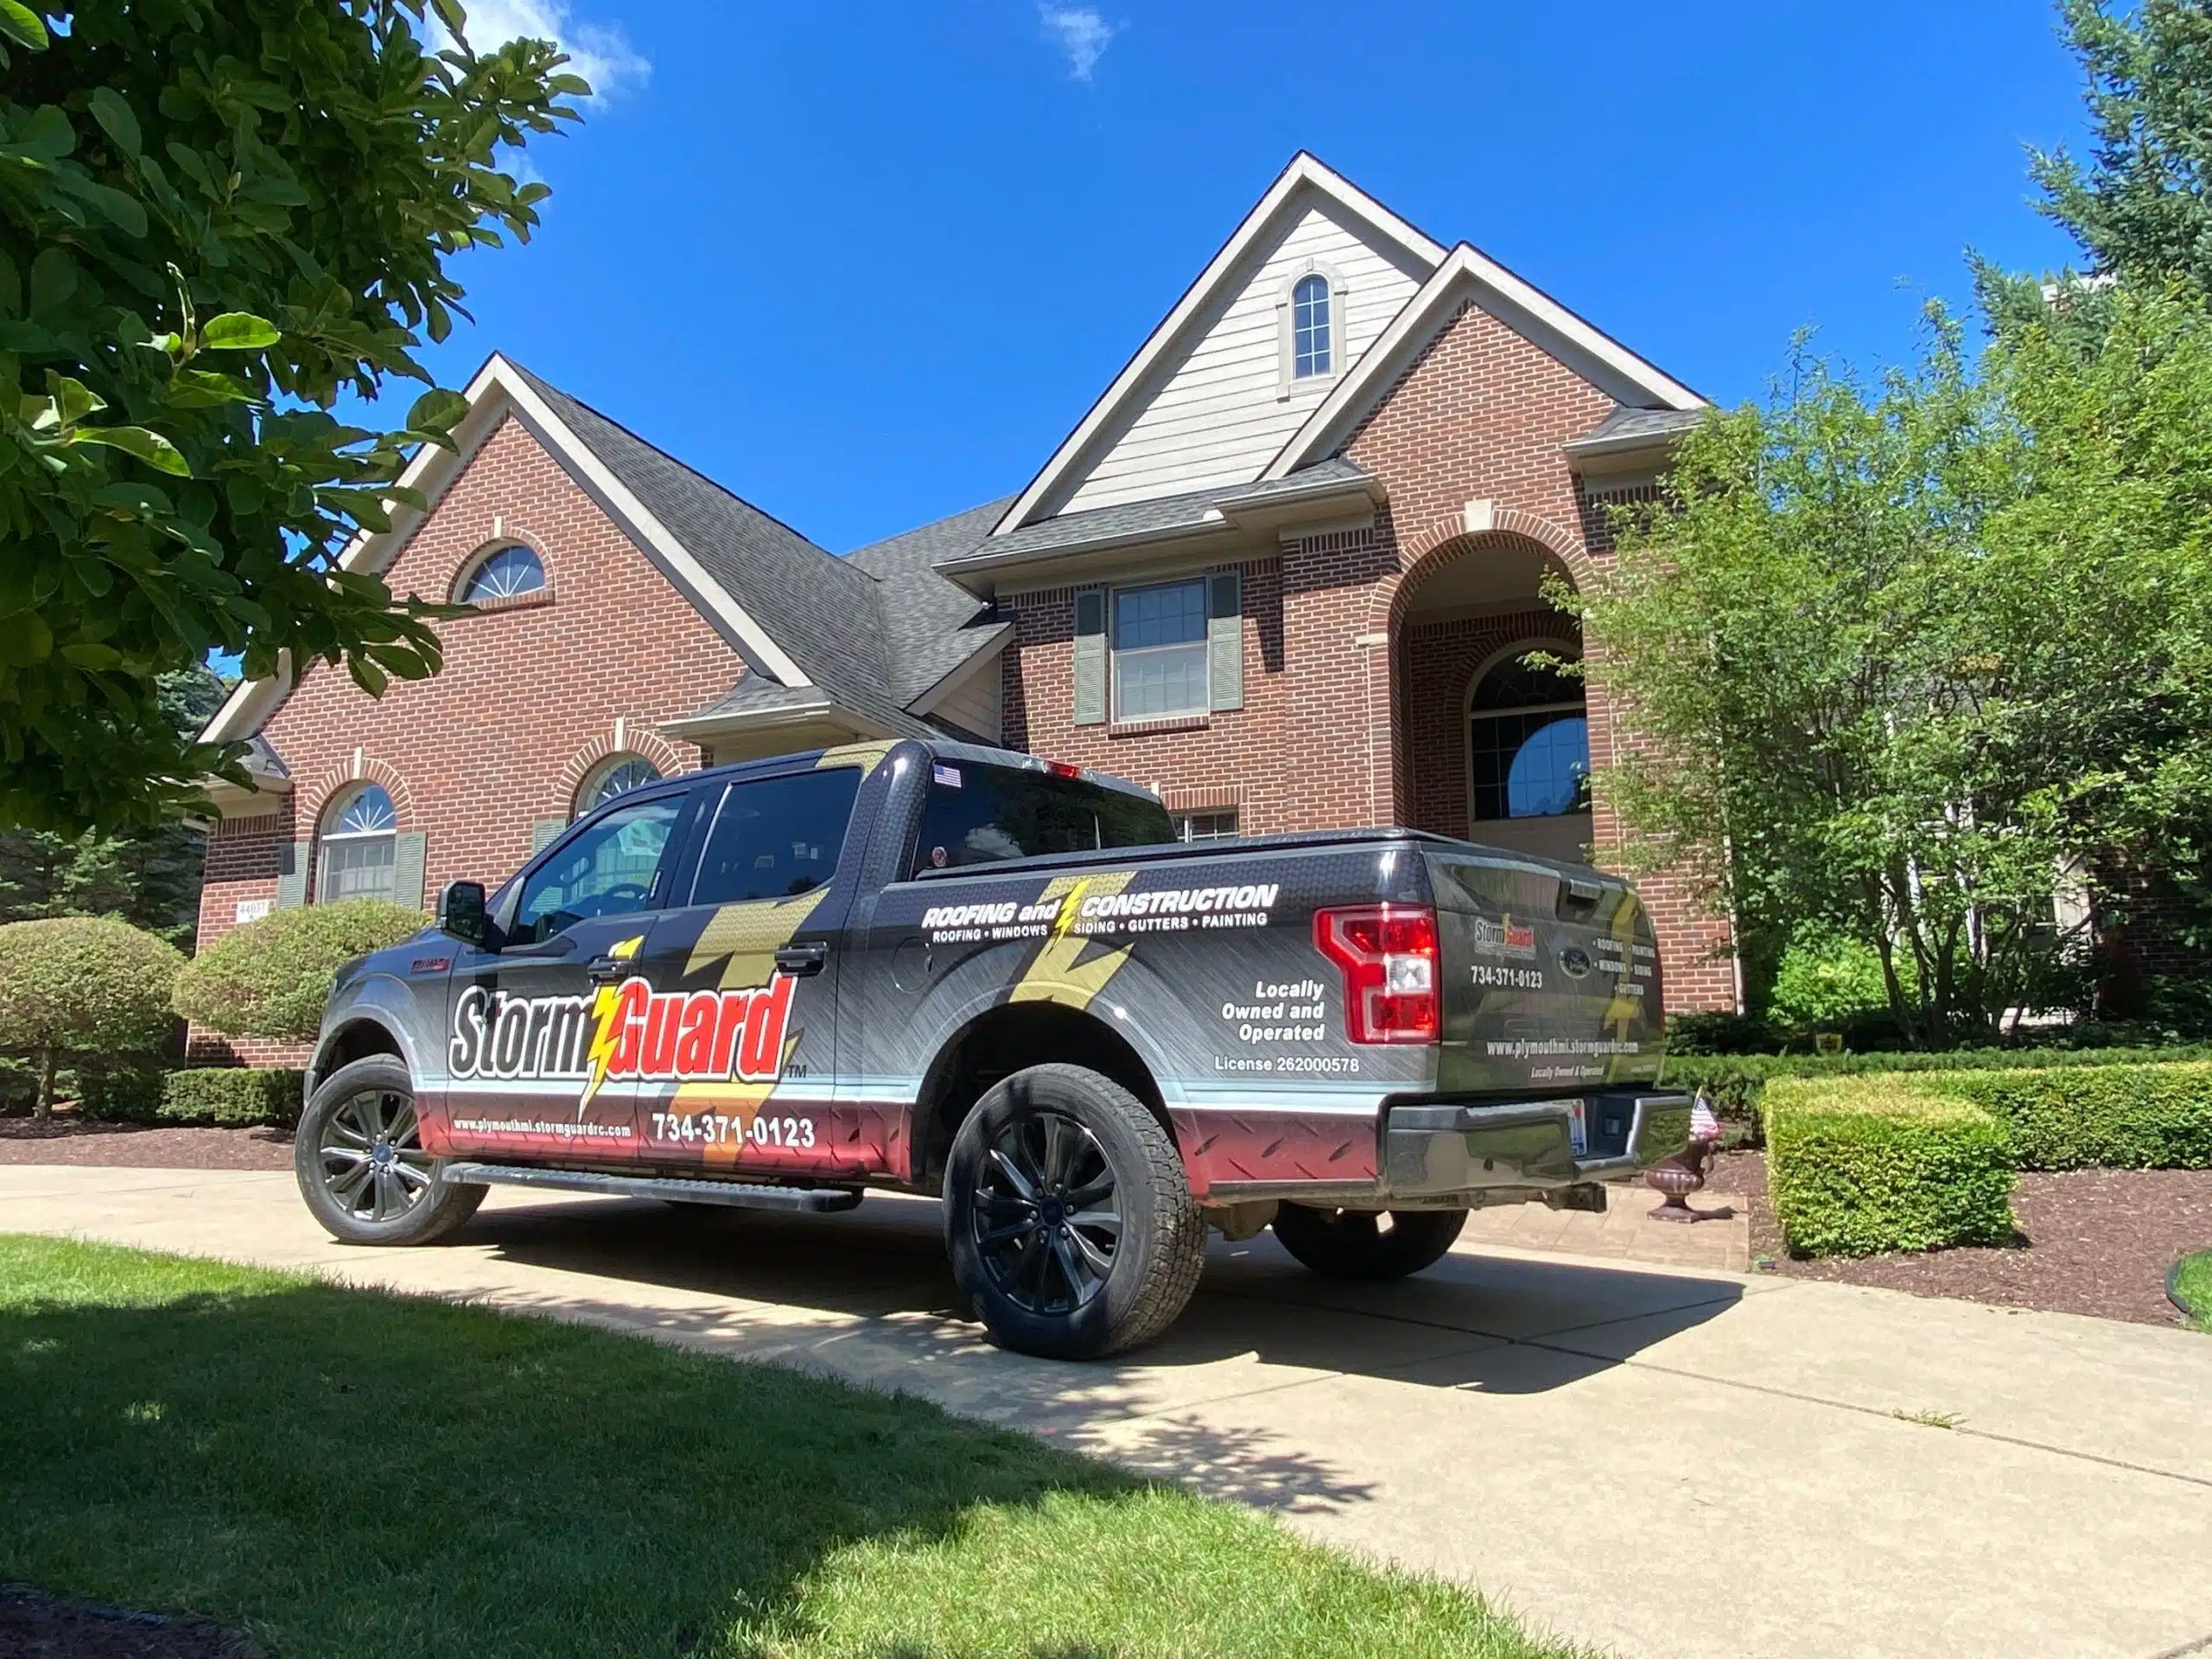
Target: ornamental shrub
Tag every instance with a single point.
(231, 1097)
(271, 977)
(1826, 983)
(1876, 1164)
(2097, 1117)
(83, 986)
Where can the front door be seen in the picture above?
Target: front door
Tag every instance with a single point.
(533, 1072)
(736, 1003)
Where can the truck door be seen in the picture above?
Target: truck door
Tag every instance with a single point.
(528, 1075)
(737, 1016)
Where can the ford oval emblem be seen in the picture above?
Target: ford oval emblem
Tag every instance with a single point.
(1573, 962)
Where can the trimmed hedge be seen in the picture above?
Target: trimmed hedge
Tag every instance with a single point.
(2138, 1117)
(231, 1097)
(271, 977)
(1855, 1167)
(1733, 1082)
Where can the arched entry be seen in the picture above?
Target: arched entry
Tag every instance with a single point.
(1488, 745)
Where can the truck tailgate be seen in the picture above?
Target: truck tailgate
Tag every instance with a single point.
(1550, 978)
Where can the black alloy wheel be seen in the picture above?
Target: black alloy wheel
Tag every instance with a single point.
(1068, 1215)
(1045, 1220)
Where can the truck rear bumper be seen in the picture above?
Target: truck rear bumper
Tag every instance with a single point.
(1434, 1150)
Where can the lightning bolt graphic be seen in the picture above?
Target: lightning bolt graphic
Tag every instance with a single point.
(602, 1012)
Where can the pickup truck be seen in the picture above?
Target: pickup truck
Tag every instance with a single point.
(952, 969)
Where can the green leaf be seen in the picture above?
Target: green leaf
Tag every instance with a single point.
(238, 331)
(91, 657)
(198, 389)
(22, 25)
(119, 210)
(53, 279)
(456, 20)
(115, 117)
(47, 135)
(72, 398)
(436, 411)
(151, 447)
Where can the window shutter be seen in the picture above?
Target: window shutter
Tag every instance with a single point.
(1090, 657)
(292, 875)
(1225, 639)
(544, 832)
(409, 853)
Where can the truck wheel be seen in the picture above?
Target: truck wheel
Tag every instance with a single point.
(1367, 1243)
(1068, 1217)
(359, 1159)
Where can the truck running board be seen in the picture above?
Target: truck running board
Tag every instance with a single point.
(744, 1195)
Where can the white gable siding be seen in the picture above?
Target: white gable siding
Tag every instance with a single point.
(1218, 416)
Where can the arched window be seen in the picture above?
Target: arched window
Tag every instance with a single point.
(1312, 330)
(616, 776)
(1527, 742)
(359, 836)
(507, 572)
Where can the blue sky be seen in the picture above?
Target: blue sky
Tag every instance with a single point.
(867, 264)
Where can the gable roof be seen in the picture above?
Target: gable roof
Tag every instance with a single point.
(1465, 274)
(1306, 175)
(798, 615)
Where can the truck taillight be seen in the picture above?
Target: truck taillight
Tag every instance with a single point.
(1388, 953)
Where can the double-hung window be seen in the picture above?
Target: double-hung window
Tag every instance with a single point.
(1159, 650)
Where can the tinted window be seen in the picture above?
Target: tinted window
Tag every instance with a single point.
(977, 815)
(607, 869)
(776, 837)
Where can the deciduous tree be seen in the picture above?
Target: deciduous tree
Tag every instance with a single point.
(217, 216)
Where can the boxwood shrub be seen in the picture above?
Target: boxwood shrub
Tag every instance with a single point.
(231, 1097)
(2129, 1116)
(1858, 1165)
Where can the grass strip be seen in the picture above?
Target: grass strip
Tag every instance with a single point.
(2192, 1287)
(347, 1471)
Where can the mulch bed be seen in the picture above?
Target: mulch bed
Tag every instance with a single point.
(33, 1624)
(2091, 1240)
(64, 1137)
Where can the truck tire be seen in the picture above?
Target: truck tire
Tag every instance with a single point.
(1068, 1215)
(359, 1159)
(1356, 1244)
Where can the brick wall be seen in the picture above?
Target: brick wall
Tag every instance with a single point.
(527, 704)
(1351, 715)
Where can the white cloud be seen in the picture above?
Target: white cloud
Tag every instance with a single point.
(1080, 32)
(601, 53)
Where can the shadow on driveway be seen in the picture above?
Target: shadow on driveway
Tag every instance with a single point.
(1498, 1325)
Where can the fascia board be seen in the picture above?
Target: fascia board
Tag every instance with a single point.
(1304, 172)
(1468, 273)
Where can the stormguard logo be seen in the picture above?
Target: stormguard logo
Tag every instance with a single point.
(624, 1032)
(1502, 938)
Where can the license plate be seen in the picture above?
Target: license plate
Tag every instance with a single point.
(1578, 1129)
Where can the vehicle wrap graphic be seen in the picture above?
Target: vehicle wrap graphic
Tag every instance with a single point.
(706, 1050)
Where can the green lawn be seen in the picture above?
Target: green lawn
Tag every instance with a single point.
(2193, 1284)
(347, 1472)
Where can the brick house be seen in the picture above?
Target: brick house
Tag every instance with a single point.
(1286, 569)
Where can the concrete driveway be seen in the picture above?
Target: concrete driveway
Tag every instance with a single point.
(1666, 1462)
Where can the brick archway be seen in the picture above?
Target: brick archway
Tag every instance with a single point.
(1444, 542)
(630, 738)
(362, 768)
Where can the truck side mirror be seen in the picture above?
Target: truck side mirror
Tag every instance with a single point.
(461, 910)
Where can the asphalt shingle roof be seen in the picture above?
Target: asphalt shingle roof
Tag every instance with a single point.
(1624, 425)
(933, 626)
(827, 614)
(1135, 519)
